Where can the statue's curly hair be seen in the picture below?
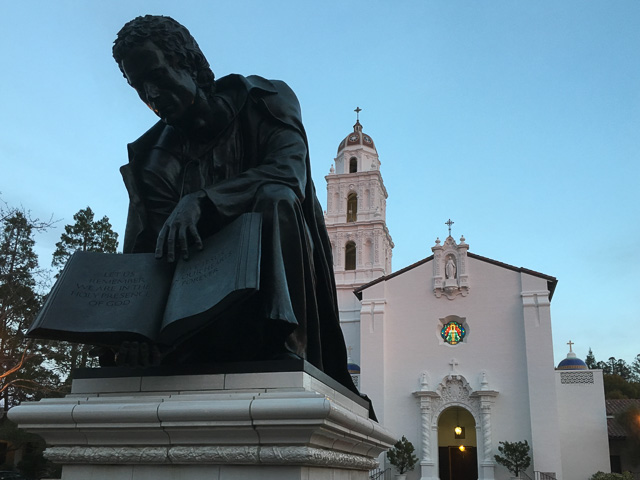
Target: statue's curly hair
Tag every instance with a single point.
(172, 38)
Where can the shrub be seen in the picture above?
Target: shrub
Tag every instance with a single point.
(401, 456)
(514, 456)
(612, 476)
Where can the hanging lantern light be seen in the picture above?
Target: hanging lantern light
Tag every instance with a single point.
(458, 429)
(462, 448)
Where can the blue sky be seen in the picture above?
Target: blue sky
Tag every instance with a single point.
(518, 120)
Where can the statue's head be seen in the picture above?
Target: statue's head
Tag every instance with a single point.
(170, 37)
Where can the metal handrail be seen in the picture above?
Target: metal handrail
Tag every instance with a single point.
(377, 473)
(524, 476)
(538, 475)
(545, 475)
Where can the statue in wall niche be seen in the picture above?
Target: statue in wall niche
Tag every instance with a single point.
(450, 268)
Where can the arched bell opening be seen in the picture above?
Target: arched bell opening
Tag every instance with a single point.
(350, 256)
(457, 445)
(352, 207)
(353, 165)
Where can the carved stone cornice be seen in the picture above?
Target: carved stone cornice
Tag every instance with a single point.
(107, 455)
(315, 457)
(197, 454)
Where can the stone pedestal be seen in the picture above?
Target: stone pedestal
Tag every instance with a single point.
(241, 424)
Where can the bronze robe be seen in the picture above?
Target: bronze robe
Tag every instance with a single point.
(260, 162)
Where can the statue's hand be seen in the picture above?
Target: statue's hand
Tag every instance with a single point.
(183, 219)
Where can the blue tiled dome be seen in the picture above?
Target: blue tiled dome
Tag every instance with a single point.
(354, 368)
(572, 363)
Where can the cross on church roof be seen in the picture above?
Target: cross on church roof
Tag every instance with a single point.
(358, 110)
(570, 343)
(449, 223)
(453, 364)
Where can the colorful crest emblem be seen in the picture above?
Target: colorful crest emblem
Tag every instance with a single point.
(452, 333)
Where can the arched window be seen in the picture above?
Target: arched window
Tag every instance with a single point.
(350, 256)
(352, 207)
(353, 165)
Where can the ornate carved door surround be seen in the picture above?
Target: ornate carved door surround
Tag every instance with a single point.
(454, 391)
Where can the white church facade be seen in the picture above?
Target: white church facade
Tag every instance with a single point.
(455, 340)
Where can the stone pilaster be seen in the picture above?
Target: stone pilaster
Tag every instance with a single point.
(486, 398)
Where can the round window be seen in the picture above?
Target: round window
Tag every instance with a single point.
(452, 333)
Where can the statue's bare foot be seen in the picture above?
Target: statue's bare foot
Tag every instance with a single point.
(106, 356)
(138, 354)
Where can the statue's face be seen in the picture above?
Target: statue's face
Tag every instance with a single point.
(168, 89)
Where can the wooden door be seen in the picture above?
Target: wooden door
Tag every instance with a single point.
(457, 465)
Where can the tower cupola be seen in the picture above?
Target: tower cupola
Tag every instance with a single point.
(356, 140)
(356, 152)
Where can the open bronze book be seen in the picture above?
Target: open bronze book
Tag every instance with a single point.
(103, 298)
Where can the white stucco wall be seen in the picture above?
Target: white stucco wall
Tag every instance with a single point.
(545, 440)
(583, 423)
(349, 308)
(400, 339)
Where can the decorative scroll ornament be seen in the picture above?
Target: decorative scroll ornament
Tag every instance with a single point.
(455, 389)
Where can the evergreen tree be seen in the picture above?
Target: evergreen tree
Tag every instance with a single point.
(591, 360)
(635, 369)
(621, 380)
(617, 388)
(619, 367)
(605, 367)
(85, 235)
(401, 456)
(23, 372)
(514, 456)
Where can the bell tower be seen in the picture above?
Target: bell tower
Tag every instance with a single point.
(356, 222)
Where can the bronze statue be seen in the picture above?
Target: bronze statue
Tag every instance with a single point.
(223, 148)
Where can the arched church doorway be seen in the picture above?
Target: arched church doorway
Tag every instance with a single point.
(457, 452)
